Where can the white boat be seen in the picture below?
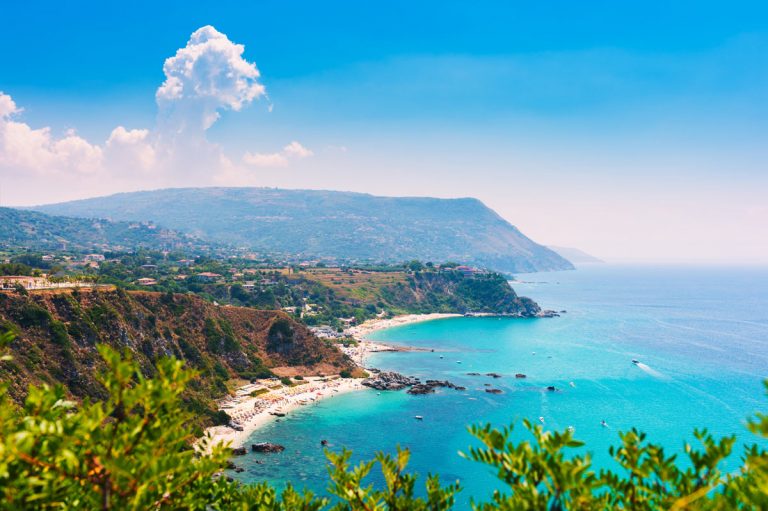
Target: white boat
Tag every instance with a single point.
(418, 417)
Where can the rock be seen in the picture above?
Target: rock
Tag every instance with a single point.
(547, 314)
(493, 375)
(494, 391)
(421, 389)
(277, 414)
(239, 470)
(390, 380)
(459, 387)
(520, 375)
(239, 451)
(473, 374)
(267, 447)
(552, 388)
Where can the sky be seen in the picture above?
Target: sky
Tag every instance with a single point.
(636, 131)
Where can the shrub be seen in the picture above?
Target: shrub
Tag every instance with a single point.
(138, 455)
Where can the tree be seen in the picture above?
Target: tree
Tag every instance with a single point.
(135, 450)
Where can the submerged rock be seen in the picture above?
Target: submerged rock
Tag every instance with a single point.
(420, 389)
(494, 391)
(520, 375)
(493, 375)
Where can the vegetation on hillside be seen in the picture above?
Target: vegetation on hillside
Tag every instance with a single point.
(132, 450)
(338, 225)
(38, 231)
(58, 331)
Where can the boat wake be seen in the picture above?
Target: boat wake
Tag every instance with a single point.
(653, 372)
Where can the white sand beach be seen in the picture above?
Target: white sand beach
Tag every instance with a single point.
(250, 412)
(361, 331)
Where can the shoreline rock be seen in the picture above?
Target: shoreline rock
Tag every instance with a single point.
(267, 447)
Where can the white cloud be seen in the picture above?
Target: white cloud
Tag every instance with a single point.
(7, 106)
(294, 150)
(207, 75)
(23, 148)
(130, 149)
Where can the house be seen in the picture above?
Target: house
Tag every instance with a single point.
(208, 276)
(146, 281)
(11, 281)
(94, 257)
(466, 270)
(47, 257)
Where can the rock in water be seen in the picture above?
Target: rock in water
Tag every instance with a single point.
(267, 447)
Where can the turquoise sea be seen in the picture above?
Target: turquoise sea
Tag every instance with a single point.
(701, 335)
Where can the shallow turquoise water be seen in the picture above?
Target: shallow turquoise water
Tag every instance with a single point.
(700, 333)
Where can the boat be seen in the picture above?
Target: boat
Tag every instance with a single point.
(418, 417)
(541, 419)
(458, 361)
(635, 361)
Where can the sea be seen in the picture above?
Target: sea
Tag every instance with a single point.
(699, 336)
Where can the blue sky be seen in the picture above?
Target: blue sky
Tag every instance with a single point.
(633, 130)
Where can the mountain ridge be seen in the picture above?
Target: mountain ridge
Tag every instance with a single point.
(323, 223)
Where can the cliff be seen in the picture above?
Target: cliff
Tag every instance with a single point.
(57, 333)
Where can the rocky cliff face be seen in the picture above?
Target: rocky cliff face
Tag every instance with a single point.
(452, 292)
(57, 334)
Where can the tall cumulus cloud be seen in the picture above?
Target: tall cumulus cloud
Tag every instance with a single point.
(204, 78)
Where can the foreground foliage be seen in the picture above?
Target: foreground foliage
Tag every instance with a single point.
(133, 451)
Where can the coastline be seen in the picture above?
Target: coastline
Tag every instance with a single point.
(253, 412)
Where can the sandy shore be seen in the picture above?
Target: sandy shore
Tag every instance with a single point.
(361, 331)
(250, 412)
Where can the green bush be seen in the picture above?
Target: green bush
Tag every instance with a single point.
(134, 451)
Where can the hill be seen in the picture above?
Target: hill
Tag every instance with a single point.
(38, 231)
(338, 225)
(57, 333)
(576, 256)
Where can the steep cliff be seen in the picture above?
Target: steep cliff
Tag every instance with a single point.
(57, 334)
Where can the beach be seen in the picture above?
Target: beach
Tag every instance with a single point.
(250, 412)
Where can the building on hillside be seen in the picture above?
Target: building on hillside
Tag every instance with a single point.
(146, 281)
(94, 257)
(47, 258)
(208, 276)
(11, 281)
(466, 270)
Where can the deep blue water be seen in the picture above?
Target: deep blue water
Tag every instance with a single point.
(701, 335)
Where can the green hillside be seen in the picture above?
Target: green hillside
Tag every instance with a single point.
(341, 225)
